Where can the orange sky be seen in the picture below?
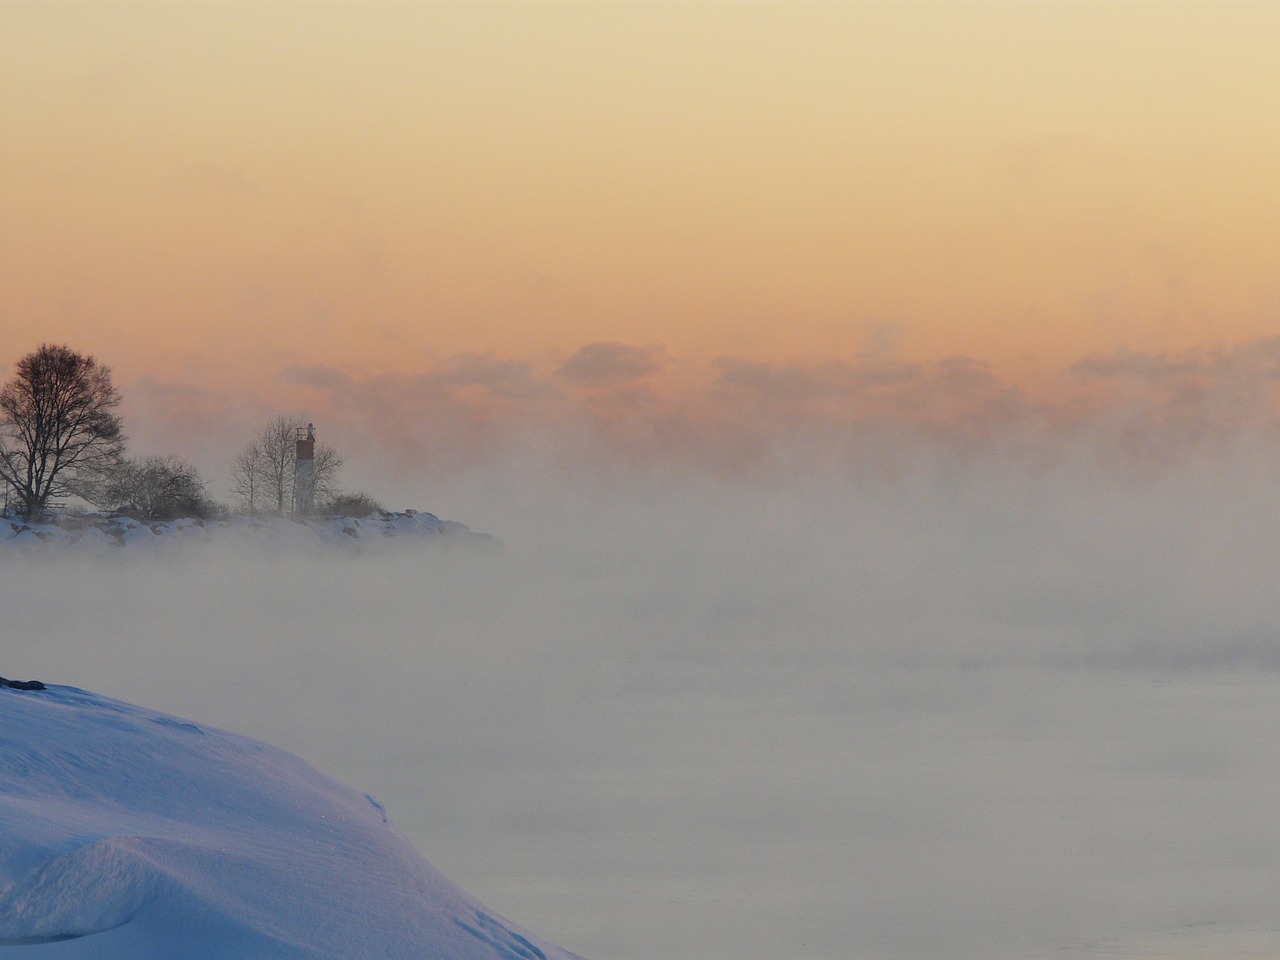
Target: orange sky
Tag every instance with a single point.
(213, 193)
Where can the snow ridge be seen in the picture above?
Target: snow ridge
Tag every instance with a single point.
(126, 834)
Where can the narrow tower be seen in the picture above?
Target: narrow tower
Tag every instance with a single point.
(304, 468)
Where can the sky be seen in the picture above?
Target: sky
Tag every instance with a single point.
(877, 403)
(429, 225)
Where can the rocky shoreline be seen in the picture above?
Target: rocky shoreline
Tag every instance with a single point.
(114, 530)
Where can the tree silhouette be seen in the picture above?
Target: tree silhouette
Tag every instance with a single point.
(58, 434)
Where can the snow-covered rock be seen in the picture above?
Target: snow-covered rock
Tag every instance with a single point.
(136, 533)
(127, 834)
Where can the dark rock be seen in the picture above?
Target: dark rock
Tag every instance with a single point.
(21, 684)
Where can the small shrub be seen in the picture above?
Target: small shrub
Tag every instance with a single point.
(356, 504)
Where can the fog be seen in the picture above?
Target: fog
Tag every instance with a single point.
(967, 708)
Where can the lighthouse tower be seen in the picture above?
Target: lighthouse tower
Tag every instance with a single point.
(304, 468)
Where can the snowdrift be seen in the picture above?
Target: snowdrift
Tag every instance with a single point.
(126, 834)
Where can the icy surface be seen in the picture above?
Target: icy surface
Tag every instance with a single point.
(127, 834)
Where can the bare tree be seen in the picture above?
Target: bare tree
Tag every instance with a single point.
(263, 472)
(328, 465)
(159, 488)
(58, 435)
(247, 484)
(276, 443)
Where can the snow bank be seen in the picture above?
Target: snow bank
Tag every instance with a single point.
(98, 531)
(131, 835)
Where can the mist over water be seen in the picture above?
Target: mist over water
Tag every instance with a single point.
(974, 709)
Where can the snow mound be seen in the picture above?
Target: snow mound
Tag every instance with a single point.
(131, 835)
(100, 532)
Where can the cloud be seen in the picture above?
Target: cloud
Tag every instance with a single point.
(1168, 404)
(319, 377)
(461, 409)
(798, 382)
(609, 406)
(200, 425)
(956, 391)
(961, 374)
(1255, 360)
(881, 340)
(492, 376)
(503, 379)
(611, 364)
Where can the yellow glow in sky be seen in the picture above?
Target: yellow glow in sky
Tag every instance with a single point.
(239, 187)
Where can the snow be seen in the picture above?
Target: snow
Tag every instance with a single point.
(99, 532)
(127, 834)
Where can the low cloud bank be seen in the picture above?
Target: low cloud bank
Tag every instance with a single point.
(619, 406)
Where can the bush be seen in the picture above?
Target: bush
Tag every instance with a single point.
(160, 488)
(351, 505)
